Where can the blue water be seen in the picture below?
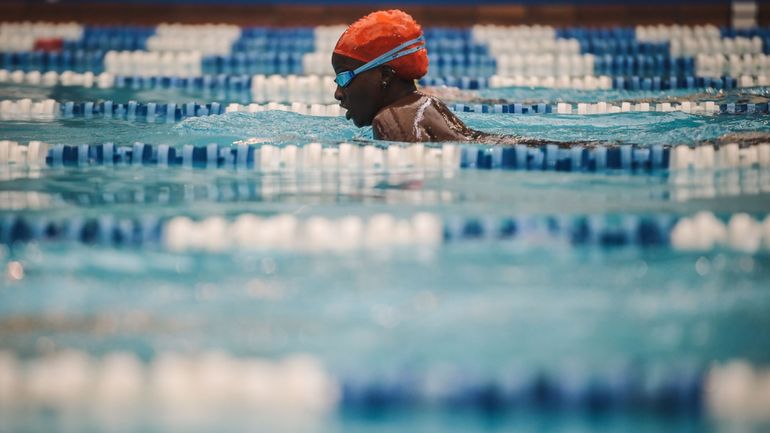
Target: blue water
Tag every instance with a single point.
(643, 128)
(520, 94)
(484, 310)
(400, 310)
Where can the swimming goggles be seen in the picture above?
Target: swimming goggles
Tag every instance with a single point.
(344, 78)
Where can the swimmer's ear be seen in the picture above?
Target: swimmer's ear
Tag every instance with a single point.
(388, 74)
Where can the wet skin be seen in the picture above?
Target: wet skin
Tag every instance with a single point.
(394, 107)
(397, 111)
(363, 96)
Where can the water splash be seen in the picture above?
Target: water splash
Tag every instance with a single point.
(286, 127)
(278, 126)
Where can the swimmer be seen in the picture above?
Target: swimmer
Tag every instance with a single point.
(377, 61)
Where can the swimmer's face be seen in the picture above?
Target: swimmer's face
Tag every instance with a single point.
(363, 96)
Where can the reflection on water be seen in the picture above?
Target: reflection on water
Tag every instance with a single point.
(536, 332)
(396, 311)
(710, 184)
(170, 191)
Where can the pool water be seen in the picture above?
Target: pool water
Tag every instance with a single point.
(473, 333)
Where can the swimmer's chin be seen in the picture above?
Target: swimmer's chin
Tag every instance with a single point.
(360, 123)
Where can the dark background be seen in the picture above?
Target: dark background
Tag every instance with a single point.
(428, 12)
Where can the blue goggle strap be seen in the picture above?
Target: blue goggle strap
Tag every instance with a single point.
(392, 55)
(343, 78)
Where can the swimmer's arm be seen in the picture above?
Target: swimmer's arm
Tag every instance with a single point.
(457, 130)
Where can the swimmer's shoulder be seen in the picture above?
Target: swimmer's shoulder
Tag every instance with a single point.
(441, 123)
(418, 117)
(390, 124)
(396, 121)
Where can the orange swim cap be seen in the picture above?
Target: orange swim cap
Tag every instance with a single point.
(379, 32)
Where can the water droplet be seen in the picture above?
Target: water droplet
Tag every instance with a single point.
(703, 266)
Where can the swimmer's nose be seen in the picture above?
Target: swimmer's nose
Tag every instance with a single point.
(338, 93)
